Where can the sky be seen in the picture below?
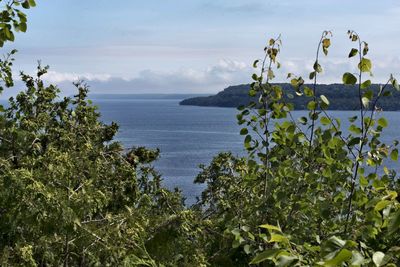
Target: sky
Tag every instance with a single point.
(199, 46)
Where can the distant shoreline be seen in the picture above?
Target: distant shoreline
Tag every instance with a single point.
(144, 96)
(341, 97)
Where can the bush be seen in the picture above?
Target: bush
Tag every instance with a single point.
(309, 194)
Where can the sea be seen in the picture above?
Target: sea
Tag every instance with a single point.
(188, 136)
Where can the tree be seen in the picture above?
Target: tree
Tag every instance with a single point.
(11, 19)
(309, 194)
(69, 194)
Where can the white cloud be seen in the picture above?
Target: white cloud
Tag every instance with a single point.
(209, 80)
(57, 77)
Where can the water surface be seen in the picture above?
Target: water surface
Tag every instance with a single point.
(188, 136)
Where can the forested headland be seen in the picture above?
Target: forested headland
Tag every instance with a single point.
(343, 97)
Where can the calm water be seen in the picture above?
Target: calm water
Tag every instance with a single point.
(189, 136)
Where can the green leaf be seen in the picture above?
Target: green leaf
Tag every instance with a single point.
(77, 221)
(378, 258)
(312, 75)
(382, 204)
(365, 101)
(265, 255)
(270, 74)
(247, 249)
(303, 120)
(270, 227)
(363, 182)
(7, 32)
(394, 155)
(357, 259)
(341, 257)
(271, 42)
(285, 260)
(353, 52)
(394, 222)
(32, 3)
(317, 67)
(324, 99)
(325, 120)
(355, 129)
(22, 27)
(326, 43)
(244, 131)
(382, 122)
(366, 84)
(236, 232)
(369, 94)
(255, 63)
(349, 79)
(365, 50)
(26, 5)
(297, 82)
(325, 51)
(247, 141)
(337, 241)
(312, 105)
(365, 65)
(353, 119)
(277, 238)
(262, 111)
(308, 91)
(395, 84)
(21, 16)
(354, 141)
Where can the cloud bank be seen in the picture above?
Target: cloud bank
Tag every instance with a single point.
(211, 79)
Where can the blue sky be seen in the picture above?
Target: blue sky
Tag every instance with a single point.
(199, 46)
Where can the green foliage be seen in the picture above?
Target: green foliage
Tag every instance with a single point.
(11, 19)
(349, 78)
(68, 193)
(306, 195)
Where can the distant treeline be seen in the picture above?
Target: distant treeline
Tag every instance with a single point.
(142, 96)
(341, 97)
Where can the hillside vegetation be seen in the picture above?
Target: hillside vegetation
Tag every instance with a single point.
(305, 194)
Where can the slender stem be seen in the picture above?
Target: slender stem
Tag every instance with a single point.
(364, 133)
(314, 94)
(265, 107)
(357, 159)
